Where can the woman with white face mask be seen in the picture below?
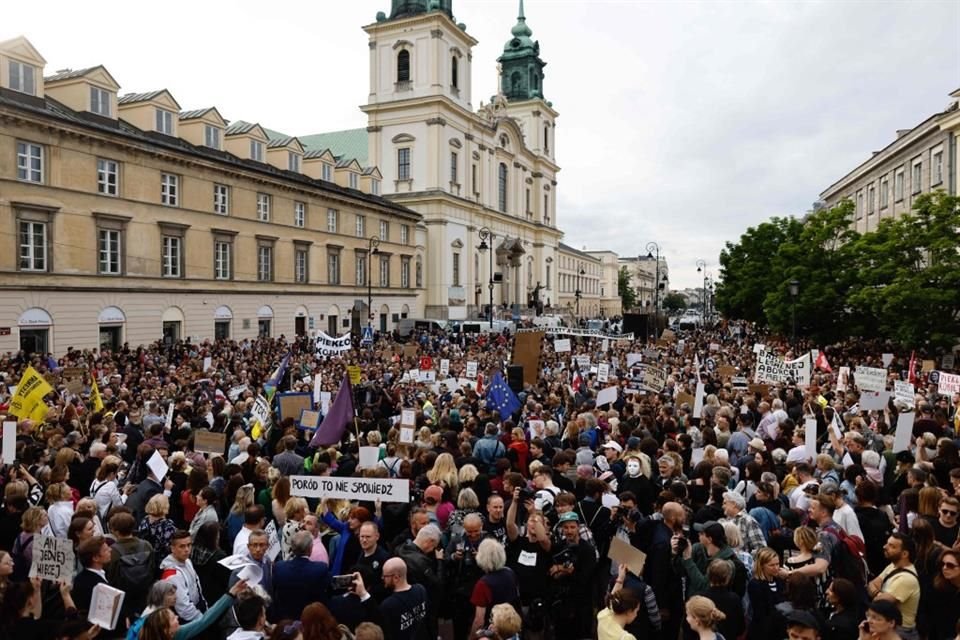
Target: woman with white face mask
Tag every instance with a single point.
(637, 483)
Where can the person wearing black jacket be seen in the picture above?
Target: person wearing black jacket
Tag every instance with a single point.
(658, 571)
(94, 555)
(874, 524)
(404, 614)
(462, 572)
(572, 577)
(425, 567)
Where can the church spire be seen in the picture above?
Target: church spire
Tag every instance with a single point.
(521, 77)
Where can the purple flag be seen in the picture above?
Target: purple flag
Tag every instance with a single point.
(340, 415)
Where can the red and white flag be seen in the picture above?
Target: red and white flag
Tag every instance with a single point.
(912, 372)
(479, 384)
(822, 363)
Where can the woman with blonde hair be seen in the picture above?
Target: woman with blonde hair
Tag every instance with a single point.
(156, 528)
(295, 511)
(827, 469)
(104, 490)
(703, 617)
(243, 500)
(623, 605)
(60, 511)
(444, 473)
(424, 441)
(765, 591)
(807, 542)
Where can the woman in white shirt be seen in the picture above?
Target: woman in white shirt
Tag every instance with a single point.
(104, 489)
(60, 511)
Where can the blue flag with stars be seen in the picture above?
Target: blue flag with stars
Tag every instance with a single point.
(501, 397)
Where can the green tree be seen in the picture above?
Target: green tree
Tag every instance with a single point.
(674, 302)
(628, 296)
(749, 268)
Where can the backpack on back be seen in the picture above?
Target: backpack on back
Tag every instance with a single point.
(135, 571)
(848, 559)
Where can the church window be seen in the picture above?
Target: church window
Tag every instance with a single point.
(502, 188)
(516, 82)
(454, 73)
(403, 66)
(403, 163)
(546, 140)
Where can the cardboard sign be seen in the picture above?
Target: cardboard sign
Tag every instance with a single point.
(685, 399)
(526, 353)
(105, 604)
(309, 419)
(726, 371)
(362, 489)
(607, 396)
(471, 370)
(52, 559)
(622, 552)
(668, 335)
(762, 389)
(73, 373)
(408, 417)
(928, 366)
(207, 442)
(886, 359)
(293, 404)
(870, 378)
(561, 346)
(410, 351)
(354, 372)
(603, 372)
(369, 457)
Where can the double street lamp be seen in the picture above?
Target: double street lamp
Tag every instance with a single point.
(701, 268)
(372, 245)
(578, 293)
(794, 288)
(653, 253)
(486, 234)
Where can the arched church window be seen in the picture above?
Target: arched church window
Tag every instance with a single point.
(403, 66)
(516, 82)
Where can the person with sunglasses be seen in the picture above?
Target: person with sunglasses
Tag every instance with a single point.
(946, 526)
(941, 605)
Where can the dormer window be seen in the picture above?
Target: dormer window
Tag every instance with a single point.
(165, 121)
(256, 150)
(23, 77)
(100, 101)
(326, 172)
(375, 187)
(353, 180)
(293, 161)
(211, 136)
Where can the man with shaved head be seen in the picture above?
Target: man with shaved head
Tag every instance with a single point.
(658, 571)
(403, 614)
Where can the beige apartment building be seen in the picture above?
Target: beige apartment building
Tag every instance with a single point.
(920, 160)
(127, 219)
(583, 272)
(644, 270)
(610, 302)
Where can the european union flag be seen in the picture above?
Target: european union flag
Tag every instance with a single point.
(500, 396)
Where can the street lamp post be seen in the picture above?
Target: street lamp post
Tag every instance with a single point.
(577, 293)
(701, 268)
(486, 234)
(372, 245)
(653, 251)
(794, 289)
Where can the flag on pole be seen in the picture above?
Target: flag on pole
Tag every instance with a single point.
(501, 397)
(338, 418)
(822, 363)
(270, 386)
(912, 375)
(30, 392)
(95, 398)
(479, 384)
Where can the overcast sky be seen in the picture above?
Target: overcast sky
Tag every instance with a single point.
(680, 122)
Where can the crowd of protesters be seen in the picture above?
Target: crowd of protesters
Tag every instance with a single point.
(742, 533)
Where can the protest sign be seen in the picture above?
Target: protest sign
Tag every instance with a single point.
(901, 441)
(293, 404)
(413, 375)
(250, 573)
(685, 399)
(354, 372)
(947, 361)
(870, 378)
(526, 353)
(874, 400)
(369, 489)
(605, 346)
(406, 435)
(316, 388)
(410, 352)
(444, 367)
(158, 466)
(726, 371)
(428, 376)
(207, 364)
(326, 345)
(928, 366)
(607, 396)
(698, 400)
(710, 364)
(408, 417)
(762, 389)
(634, 358)
(325, 398)
(669, 335)
(843, 378)
(651, 353)
(714, 346)
(274, 539)
(603, 372)
(772, 368)
(426, 363)
(369, 457)
(105, 604)
(646, 377)
(561, 346)
(622, 552)
(904, 394)
(948, 384)
(472, 370)
(810, 438)
(309, 419)
(9, 441)
(208, 442)
(52, 559)
(886, 359)
(758, 348)
(583, 361)
(739, 382)
(235, 392)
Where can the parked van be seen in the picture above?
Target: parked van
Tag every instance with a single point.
(406, 326)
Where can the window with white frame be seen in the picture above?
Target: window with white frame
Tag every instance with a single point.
(871, 198)
(33, 246)
(169, 189)
(221, 199)
(300, 262)
(898, 179)
(354, 180)
(456, 268)
(404, 234)
(403, 163)
(859, 204)
(361, 226)
(263, 207)
(108, 177)
(172, 256)
(326, 172)
(100, 101)
(332, 216)
(293, 161)
(453, 167)
(30, 162)
(222, 260)
(109, 241)
(384, 271)
(23, 77)
(884, 192)
(299, 214)
(375, 187)
(384, 231)
(211, 136)
(256, 150)
(264, 263)
(405, 272)
(164, 121)
(361, 269)
(936, 167)
(916, 176)
(333, 266)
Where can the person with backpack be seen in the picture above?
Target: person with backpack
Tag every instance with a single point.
(838, 552)
(898, 583)
(874, 523)
(104, 489)
(131, 566)
(33, 522)
(692, 560)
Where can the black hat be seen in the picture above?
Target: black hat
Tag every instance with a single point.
(801, 618)
(713, 530)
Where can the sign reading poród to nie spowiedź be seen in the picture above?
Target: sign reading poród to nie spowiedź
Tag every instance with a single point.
(373, 489)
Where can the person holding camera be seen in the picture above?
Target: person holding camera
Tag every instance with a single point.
(403, 614)
(693, 560)
(528, 554)
(572, 574)
(462, 571)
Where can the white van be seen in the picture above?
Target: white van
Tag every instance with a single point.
(547, 322)
(406, 326)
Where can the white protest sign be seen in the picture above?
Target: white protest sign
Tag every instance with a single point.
(370, 489)
(105, 604)
(904, 393)
(369, 457)
(274, 549)
(810, 437)
(9, 442)
(52, 558)
(260, 411)
(771, 368)
(444, 367)
(316, 388)
(698, 403)
(901, 441)
(234, 392)
(696, 456)
(886, 359)
(233, 562)
(603, 372)
(169, 423)
(158, 466)
(561, 346)
(406, 435)
(949, 384)
(251, 573)
(414, 375)
(874, 400)
(325, 399)
(634, 358)
(758, 348)
(870, 378)
(428, 376)
(607, 395)
(472, 370)
(583, 362)
(714, 346)
(605, 345)
(843, 378)
(408, 417)
(327, 345)
(207, 364)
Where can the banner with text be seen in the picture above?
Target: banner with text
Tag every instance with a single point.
(773, 368)
(372, 489)
(329, 346)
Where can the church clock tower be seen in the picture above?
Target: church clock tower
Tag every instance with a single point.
(521, 75)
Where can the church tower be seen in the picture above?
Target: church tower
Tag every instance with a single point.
(521, 69)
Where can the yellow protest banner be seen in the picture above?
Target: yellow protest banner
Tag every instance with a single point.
(30, 392)
(95, 398)
(354, 372)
